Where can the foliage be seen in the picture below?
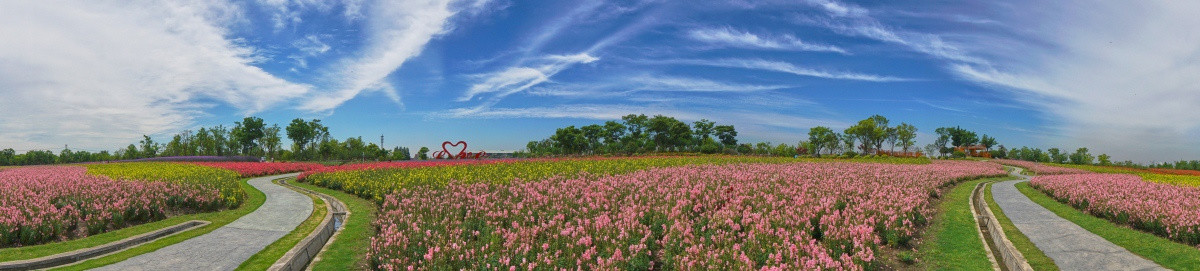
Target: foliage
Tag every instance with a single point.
(52, 203)
(188, 175)
(637, 134)
(739, 216)
(1126, 199)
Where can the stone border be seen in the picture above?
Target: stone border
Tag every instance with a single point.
(71, 257)
(304, 252)
(988, 226)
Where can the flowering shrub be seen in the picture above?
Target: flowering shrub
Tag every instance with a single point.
(255, 169)
(794, 216)
(193, 176)
(49, 203)
(1039, 168)
(380, 179)
(1166, 210)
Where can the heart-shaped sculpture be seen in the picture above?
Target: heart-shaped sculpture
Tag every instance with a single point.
(455, 153)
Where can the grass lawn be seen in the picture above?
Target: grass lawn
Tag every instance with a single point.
(30, 252)
(254, 199)
(269, 255)
(349, 248)
(1165, 252)
(952, 241)
(1037, 259)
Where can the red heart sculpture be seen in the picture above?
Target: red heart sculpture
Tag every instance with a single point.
(454, 154)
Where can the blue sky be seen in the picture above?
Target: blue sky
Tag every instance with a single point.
(1119, 78)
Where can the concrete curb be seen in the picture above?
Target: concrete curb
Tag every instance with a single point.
(299, 256)
(1006, 256)
(70, 257)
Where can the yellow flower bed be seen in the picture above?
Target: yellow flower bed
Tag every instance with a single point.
(226, 181)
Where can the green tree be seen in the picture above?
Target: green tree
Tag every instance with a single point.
(149, 148)
(987, 142)
(1104, 159)
(1057, 156)
(271, 142)
(727, 134)
(1081, 157)
(906, 133)
(247, 133)
(703, 128)
(592, 135)
(423, 153)
(822, 138)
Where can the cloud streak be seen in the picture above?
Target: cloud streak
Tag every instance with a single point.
(729, 37)
(396, 31)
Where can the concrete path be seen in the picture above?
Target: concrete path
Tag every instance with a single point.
(227, 247)
(1070, 246)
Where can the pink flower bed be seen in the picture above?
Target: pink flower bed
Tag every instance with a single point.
(798, 216)
(1166, 210)
(50, 203)
(1039, 168)
(255, 169)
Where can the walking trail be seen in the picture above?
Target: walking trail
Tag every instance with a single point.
(1070, 246)
(227, 247)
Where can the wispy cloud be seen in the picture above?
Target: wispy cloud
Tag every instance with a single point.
(395, 32)
(729, 37)
(852, 20)
(98, 74)
(689, 84)
(516, 79)
(778, 66)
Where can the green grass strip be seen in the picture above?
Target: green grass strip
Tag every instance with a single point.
(1036, 258)
(269, 255)
(1163, 251)
(349, 248)
(952, 241)
(254, 199)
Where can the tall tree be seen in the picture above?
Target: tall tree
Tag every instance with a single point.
(149, 148)
(906, 133)
(987, 142)
(727, 134)
(822, 138)
(271, 142)
(703, 129)
(592, 134)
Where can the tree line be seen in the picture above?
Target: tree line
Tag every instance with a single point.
(637, 134)
(311, 141)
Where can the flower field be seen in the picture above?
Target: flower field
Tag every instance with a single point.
(1167, 176)
(189, 175)
(374, 183)
(255, 169)
(1038, 168)
(782, 216)
(49, 203)
(1167, 210)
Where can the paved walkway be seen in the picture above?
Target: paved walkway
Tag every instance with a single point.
(227, 247)
(1070, 246)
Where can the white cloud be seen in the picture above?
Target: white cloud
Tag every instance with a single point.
(396, 31)
(784, 67)
(520, 78)
(1120, 78)
(730, 37)
(686, 84)
(100, 74)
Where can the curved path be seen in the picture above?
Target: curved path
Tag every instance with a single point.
(1070, 246)
(227, 247)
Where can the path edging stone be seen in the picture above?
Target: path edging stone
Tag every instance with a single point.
(995, 240)
(71, 257)
(307, 249)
